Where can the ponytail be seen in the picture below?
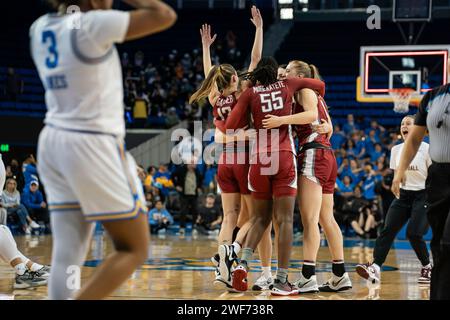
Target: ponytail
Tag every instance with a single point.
(314, 72)
(206, 86)
(305, 69)
(219, 75)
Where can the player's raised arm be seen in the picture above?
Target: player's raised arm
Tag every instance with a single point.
(258, 42)
(308, 99)
(207, 41)
(150, 16)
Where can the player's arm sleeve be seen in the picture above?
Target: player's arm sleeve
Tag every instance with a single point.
(106, 27)
(393, 157)
(296, 84)
(237, 118)
(220, 124)
(422, 113)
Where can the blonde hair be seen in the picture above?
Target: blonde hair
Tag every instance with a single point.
(305, 69)
(9, 180)
(220, 75)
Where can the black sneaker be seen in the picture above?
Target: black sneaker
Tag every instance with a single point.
(28, 280)
(227, 258)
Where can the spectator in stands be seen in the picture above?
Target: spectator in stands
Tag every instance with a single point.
(379, 129)
(350, 149)
(209, 180)
(338, 138)
(29, 170)
(366, 221)
(369, 182)
(172, 117)
(10, 200)
(381, 166)
(371, 141)
(140, 108)
(209, 216)
(8, 173)
(142, 175)
(162, 180)
(350, 126)
(13, 85)
(345, 187)
(356, 172)
(360, 145)
(188, 182)
(17, 174)
(149, 200)
(33, 200)
(148, 183)
(159, 218)
(377, 153)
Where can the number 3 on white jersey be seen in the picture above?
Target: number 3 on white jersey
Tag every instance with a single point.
(271, 101)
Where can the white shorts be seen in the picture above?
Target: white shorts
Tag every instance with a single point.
(89, 172)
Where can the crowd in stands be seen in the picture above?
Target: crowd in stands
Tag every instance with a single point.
(363, 194)
(156, 94)
(187, 193)
(22, 199)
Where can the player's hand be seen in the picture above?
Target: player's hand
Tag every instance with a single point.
(323, 128)
(399, 179)
(43, 204)
(205, 33)
(256, 17)
(272, 121)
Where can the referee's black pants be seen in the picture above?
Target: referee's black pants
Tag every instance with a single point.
(410, 206)
(438, 199)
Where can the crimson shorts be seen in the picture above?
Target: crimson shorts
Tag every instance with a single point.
(273, 180)
(232, 173)
(319, 165)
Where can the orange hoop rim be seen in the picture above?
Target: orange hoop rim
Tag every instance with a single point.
(401, 91)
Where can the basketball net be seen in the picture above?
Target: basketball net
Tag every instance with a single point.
(401, 98)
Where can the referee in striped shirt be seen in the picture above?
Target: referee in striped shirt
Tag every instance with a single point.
(433, 114)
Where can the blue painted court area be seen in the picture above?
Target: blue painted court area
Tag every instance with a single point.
(182, 264)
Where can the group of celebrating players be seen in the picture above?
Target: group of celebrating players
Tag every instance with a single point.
(261, 172)
(267, 105)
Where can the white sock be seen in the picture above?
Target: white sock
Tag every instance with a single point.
(377, 267)
(21, 268)
(35, 267)
(237, 247)
(428, 266)
(266, 273)
(69, 231)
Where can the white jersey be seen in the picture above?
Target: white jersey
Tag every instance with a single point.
(417, 172)
(80, 69)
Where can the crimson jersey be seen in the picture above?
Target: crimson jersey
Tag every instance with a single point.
(305, 132)
(274, 99)
(221, 110)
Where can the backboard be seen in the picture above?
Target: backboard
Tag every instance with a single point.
(384, 68)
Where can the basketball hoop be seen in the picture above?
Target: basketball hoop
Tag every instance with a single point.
(401, 98)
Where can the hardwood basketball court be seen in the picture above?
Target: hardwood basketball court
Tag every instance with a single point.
(180, 268)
